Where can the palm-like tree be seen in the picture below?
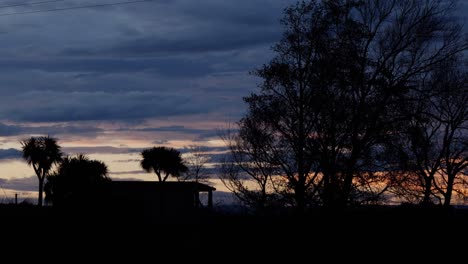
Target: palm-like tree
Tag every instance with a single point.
(41, 153)
(77, 180)
(163, 162)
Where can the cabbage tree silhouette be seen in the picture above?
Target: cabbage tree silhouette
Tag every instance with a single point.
(163, 162)
(77, 181)
(41, 153)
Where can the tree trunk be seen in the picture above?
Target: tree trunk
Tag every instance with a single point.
(41, 187)
(264, 197)
(344, 196)
(427, 191)
(159, 176)
(346, 192)
(165, 177)
(448, 194)
(328, 191)
(299, 196)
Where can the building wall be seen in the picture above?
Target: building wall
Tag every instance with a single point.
(150, 201)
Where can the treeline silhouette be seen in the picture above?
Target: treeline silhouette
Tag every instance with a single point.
(79, 181)
(364, 102)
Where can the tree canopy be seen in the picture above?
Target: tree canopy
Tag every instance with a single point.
(164, 162)
(334, 98)
(41, 153)
(78, 180)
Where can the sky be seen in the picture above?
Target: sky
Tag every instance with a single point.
(109, 81)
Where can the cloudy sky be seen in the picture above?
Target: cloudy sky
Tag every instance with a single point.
(111, 80)
(108, 81)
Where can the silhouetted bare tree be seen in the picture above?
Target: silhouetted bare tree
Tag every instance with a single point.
(78, 180)
(335, 91)
(164, 162)
(450, 108)
(247, 173)
(41, 153)
(438, 133)
(196, 160)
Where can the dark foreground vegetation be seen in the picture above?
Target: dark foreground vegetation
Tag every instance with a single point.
(363, 100)
(360, 232)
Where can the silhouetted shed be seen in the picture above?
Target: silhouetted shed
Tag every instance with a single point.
(157, 198)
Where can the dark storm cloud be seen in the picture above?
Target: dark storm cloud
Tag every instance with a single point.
(202, 133)
(158, 59)
(10, 154)
(13, 130)
(100, 150)
(172, 129)
(241, 12)
(127, 63)
(185, 27)
(206, 149)
(8, 130)
(79, 106)
(222, 40)
(170, 67)
(181, 129)
(20, 184)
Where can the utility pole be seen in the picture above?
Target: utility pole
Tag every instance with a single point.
(16, 198)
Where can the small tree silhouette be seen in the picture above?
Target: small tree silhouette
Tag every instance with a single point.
(41, 153)
(77, 180)
(196, 160)
(163, 162)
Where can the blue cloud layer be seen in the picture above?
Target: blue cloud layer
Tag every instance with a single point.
(159, 59)
(10, 154)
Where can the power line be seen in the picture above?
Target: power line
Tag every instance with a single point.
(75, 7)
(31, 3)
